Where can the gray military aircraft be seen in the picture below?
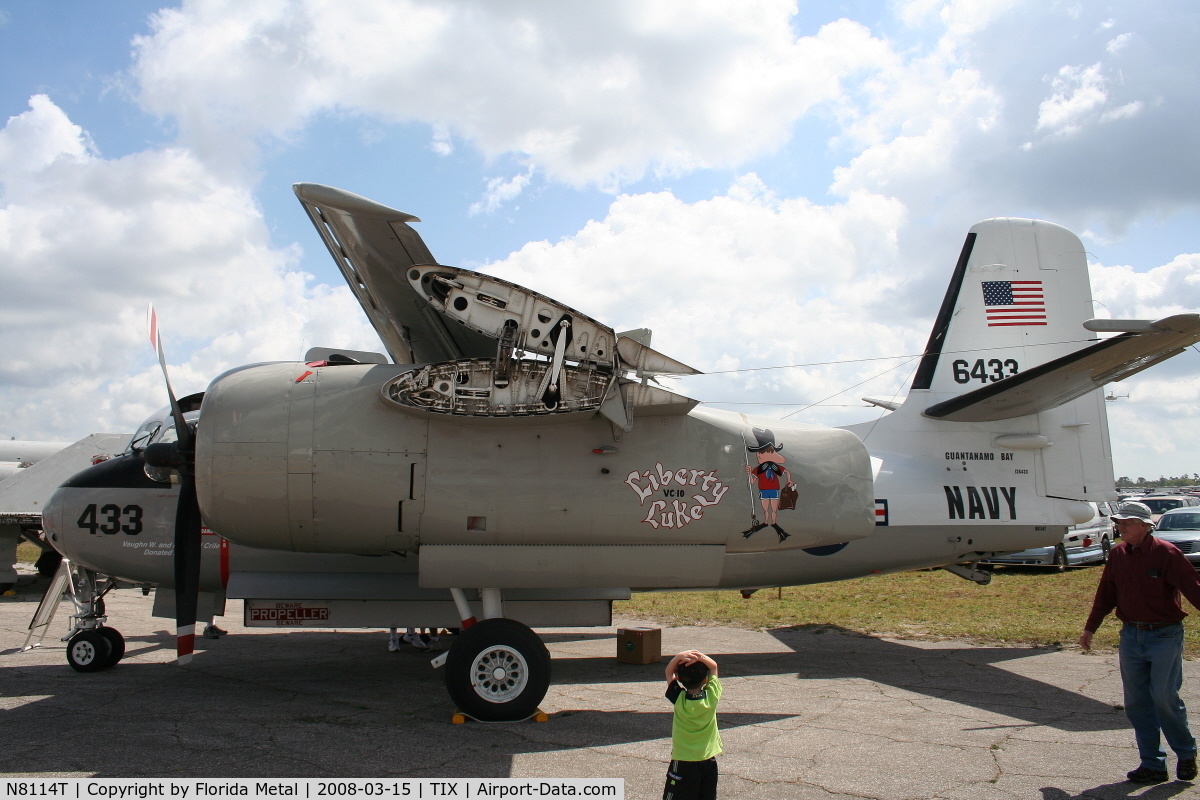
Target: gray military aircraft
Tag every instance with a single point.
(512, 464)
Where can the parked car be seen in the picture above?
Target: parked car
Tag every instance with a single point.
(1181, 527)
(1085, 543)
(1161, 503)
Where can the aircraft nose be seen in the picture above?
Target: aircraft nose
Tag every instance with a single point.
(52, 519)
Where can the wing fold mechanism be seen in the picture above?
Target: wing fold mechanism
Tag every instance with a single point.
(1139, 344)
(488, 349)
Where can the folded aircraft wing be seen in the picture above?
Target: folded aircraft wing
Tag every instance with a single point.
(374, 248)
(1141, 344)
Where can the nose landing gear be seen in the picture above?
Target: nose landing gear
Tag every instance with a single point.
(91, 645)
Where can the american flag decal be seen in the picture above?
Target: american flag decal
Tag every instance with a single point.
(1014, 303)
(881, 512)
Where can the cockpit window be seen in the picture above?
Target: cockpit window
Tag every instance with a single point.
(165, 435)
(145, 433)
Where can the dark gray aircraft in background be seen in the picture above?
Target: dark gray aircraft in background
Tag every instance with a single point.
(508, 464)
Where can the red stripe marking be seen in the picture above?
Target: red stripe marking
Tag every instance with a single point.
(185, 644)
(468, 622)
(1004, 324)
(224, 562)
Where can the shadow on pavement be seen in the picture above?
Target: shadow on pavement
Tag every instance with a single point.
(1114, 791)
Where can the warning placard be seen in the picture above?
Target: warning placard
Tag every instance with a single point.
(262, 613)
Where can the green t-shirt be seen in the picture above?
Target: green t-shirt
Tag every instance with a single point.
(694, 734)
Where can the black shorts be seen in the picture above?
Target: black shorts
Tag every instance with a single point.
(691, 780)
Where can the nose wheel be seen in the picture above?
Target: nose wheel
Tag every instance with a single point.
(498, 671)
(94, 649)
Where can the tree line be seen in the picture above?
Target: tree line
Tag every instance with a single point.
(1161, 482)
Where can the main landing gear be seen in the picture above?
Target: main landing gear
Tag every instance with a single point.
(91, 645)
(498, 669)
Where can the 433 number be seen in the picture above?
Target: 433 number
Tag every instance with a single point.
(111, 519)
(988, 371)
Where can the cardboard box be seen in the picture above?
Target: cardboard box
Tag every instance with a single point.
(639, 645)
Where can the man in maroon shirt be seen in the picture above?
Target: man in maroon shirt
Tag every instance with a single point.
(1142, 581)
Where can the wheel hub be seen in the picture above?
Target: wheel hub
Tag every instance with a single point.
(84, 652)
(499, 674)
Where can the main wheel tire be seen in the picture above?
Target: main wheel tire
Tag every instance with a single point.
(47, 563)
(498, 671)
(1060, 559)
(88, 651)
(116, 643)
(1105, 546)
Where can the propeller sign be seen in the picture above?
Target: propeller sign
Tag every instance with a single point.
(180, 456)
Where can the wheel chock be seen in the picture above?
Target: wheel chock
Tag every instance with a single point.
(459, 717)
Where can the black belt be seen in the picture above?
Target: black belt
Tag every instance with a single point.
(1150, 626)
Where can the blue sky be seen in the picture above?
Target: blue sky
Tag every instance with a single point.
(150, 149)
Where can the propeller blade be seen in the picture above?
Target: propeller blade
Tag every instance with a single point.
(180, 455)
(187, 564)
(181, 430)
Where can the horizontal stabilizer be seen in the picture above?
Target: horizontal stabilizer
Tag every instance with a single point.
(1063, 379)
(1128, 325)
(890, 405)
(647, 361)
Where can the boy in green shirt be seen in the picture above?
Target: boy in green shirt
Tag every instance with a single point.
(693, 688)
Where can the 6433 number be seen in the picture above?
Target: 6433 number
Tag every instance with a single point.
(985, 372)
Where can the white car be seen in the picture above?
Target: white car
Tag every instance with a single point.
(1162, 503)
(1085, 543)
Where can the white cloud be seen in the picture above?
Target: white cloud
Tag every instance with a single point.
(1127, 111)
(443, 143)
(959, 17)
(499, 192)
(85, 242)
(1077, 91)
(1119, 43)
(1157, 428)
(33, 141)
(589, 94)
(745, 278)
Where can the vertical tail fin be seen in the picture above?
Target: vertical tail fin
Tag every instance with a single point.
(1018, 298)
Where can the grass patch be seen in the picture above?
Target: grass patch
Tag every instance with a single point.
(27, 553)
(1021, 606)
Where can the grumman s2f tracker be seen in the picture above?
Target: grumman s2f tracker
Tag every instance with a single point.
(513, 465)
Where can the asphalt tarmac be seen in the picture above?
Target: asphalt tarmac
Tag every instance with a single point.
(807, 713)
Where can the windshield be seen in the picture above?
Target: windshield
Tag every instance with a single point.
(1183, 521)
(1159, 506)
(143, 435)
(167, 434)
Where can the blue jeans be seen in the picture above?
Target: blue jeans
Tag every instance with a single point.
(1152, 673)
